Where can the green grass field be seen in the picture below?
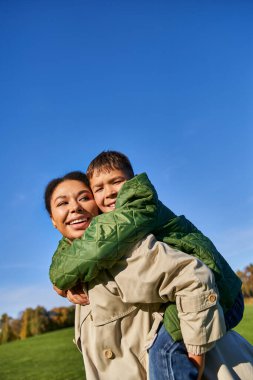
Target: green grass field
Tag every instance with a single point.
(245, 328)
(53, 356)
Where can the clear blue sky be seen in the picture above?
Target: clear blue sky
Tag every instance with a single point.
(169, 83)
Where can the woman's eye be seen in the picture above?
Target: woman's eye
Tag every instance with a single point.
(62, 204)
(84, 198)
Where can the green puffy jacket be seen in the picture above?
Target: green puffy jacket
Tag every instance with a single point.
(110, 236)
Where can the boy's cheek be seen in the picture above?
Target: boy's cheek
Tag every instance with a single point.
(98, 200)
(120, 186)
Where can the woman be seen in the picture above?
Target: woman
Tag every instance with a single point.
(111, 348)
(74, 189)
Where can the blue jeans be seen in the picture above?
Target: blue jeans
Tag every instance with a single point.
(168, 360)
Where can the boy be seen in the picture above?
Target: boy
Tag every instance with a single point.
(140, 214)
(107, 173)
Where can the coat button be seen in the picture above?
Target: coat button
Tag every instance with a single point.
(108, 353)
(212, 298)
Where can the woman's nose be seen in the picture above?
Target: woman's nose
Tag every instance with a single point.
(75, 206)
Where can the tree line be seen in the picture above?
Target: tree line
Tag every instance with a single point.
(39, 320)
(35, 321)
(247, 281)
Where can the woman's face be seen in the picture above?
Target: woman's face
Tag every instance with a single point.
(72, 208)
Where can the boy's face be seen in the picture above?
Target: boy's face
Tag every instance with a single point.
(105, 187)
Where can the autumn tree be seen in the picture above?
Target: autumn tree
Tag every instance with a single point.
(26, 325)
(15, 325)
(6, 333)
(247, 280)
(40, 321)
(35, 321)
(62, 317)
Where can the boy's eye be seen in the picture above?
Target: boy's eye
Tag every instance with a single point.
(99, 189)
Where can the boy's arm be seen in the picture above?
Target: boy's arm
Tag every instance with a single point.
(157, 273)
(110, 236)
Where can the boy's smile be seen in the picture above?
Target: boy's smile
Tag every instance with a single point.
(105, 186)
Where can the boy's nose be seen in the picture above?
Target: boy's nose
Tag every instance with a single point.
(110, 191)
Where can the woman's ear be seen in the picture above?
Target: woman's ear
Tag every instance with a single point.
(53, 222)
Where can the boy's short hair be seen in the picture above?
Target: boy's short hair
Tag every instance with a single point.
(110, 160)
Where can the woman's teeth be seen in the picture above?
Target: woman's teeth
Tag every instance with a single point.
(78, 221)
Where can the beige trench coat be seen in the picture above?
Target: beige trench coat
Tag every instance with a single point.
(116, 329)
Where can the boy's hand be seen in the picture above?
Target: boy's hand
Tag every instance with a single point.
(199, 362)
(62, 293)
(75, 295)
(78, 296)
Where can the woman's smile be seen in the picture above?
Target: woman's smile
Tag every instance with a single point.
(79, 224)
(77, 221)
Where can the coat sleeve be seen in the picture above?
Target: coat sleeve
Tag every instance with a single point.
(110, 236)
(157, 273)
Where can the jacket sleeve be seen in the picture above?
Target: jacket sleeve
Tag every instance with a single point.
(157, 273)
(110, 236)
